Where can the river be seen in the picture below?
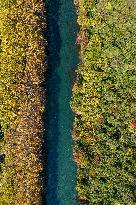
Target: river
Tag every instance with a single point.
(62, 61)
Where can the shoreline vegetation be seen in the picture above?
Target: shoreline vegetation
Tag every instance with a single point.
(103, 100)
(104, 103)
(22, 68)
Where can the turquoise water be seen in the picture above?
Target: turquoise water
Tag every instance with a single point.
(62, 61)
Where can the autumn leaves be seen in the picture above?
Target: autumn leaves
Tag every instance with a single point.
(22, 60)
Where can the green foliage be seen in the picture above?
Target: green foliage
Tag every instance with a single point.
(104, 103)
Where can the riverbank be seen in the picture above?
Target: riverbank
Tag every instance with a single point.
(104, 103)
(22, 57)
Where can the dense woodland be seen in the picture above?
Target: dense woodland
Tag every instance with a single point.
(22, 54)
(104, 102)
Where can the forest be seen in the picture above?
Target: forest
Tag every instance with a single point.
(22, 54)
(103, 100)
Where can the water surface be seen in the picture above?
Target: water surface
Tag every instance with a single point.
(62, 61)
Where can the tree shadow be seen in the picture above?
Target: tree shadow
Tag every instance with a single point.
(50, 116)
(2, 156)
(1, 133)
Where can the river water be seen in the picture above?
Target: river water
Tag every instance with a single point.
(62, 61)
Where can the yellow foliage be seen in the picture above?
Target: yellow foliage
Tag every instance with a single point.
(21, 105)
